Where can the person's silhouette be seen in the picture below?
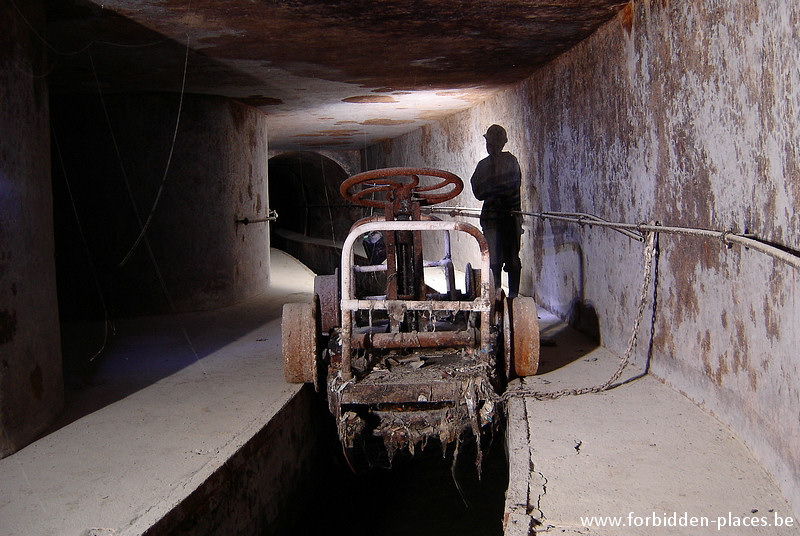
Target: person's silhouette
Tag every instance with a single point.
(496, 182)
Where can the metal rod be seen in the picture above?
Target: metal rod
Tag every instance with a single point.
(415, 305)
(416, 339)
(273, 215)
(636, 230)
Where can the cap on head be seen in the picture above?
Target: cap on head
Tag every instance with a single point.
(496, 134)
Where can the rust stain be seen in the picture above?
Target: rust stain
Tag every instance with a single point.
(351, 39)
(771, 320)
(626, 17)
(775, 299)
(239, 114)
(715, 374)
(370, 99)
(664, 339)
(337, 133)
(386, 122)
(683, 265)
(342, 132)
(455, 136)
(740, 346)
(791, 170)
(433, 115)
(478, 46)
(722, 369)
(753, 376)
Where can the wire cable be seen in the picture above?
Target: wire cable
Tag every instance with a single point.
(82, 234)
(636, 231)
(166, 169)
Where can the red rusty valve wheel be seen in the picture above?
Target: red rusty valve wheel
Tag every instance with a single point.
(387, 180)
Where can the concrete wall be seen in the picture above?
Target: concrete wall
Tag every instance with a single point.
(686, 113)
(115, 151)
(31, 389)
(267, 486)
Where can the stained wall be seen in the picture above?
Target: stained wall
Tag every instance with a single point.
(686, 114)
(31, 387)
(184, 169)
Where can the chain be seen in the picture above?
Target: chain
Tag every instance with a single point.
(649, 255)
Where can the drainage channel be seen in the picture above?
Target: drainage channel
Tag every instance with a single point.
(413, 494)
(292, 478)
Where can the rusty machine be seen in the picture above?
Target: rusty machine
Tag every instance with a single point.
(410, 363)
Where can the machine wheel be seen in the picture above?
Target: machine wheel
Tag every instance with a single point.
(327, 288)
(504, 319)
(299, 336)
(472, 282)
(521, 330)
(388, 181)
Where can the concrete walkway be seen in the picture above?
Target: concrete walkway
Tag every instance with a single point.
(173, 398)
(641, 456)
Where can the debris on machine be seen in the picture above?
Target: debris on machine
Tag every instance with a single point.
(410, 364)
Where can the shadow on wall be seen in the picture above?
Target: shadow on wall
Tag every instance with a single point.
(313, 218)
(562, 346)
(583, 316)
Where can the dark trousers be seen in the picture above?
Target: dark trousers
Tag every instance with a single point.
(503, 235)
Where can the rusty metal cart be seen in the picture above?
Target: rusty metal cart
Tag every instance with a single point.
(411, 364)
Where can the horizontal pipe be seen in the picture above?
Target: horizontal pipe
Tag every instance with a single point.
(273, 216)
(415, 339)
(411, 305)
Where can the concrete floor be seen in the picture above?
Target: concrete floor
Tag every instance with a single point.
(640, 452)
(172, 398)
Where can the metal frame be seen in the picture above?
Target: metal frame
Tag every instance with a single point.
(482, 304)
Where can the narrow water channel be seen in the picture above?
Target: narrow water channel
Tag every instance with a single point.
(416, 495)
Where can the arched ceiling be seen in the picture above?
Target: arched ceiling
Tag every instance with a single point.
(329, 74)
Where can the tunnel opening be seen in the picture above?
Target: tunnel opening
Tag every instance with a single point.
(313, 219)
(436, 490)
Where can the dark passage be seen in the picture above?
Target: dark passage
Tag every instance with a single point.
(416, 495)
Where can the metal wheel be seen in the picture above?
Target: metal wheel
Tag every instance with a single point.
(299, 342)
(327, 288)
(387, 180)
(524, 326)
(502, 306)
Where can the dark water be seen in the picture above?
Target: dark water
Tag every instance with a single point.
(415, 496)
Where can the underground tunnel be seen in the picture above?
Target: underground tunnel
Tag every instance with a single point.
(142, 276)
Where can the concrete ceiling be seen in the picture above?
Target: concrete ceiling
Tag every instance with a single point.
(329, 74)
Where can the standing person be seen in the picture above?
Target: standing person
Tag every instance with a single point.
(496, 182)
